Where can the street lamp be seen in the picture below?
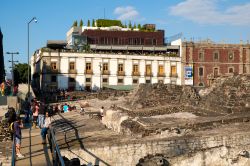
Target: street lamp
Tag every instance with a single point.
(35, 20)
(12, 64)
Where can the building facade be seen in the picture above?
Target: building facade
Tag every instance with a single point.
(66, 69)
(210, 60)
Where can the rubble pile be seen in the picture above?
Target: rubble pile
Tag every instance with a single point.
(154, 95)
(231, 94)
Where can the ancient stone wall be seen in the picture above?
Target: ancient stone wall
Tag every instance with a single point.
(130, 153)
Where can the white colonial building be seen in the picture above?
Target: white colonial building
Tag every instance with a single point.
(65, 69)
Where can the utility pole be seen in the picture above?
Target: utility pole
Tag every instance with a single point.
(100, 65)
(12, 66)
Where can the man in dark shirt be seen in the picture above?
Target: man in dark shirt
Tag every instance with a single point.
(26, 107)
(18, 136)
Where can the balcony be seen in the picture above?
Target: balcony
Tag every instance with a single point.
(121, 73)
(175, 75)
(72, 71)
(105, 72)
(161, 75)
(149, 74)
(88, 71)
(136, 73)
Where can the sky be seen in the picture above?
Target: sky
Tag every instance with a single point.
(225, 21)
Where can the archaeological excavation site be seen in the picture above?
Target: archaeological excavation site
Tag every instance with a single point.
(161, 124)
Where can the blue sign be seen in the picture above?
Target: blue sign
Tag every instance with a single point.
(188, 72)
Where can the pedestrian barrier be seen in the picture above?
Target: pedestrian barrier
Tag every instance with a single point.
(13, 156)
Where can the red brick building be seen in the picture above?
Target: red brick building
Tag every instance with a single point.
(211, 60)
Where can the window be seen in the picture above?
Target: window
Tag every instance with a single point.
(120, 80)
(216, 72)
(201, 71)
(161, 70)
(173, 71)
(120, 67)
(88, 79)
(148, 69)
(53, 65)
(230, 55)
(105, 67)
(148, 81)
(105, 80)
(216, 56)
(201, 55)
(201, 84)
(135, 81)
(53, 78)
(88, 66)
(135, 69)
(72, 79)
(230, 70)
(72, 66)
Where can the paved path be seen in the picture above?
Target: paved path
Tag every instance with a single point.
(35, 152)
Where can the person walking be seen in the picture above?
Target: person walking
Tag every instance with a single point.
(18, 125)
(45, 128)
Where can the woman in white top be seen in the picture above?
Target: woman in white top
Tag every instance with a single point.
(45, 128)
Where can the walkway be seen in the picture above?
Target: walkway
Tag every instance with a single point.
(35, 152)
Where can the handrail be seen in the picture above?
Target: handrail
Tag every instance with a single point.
(55, 149)
(13, 156)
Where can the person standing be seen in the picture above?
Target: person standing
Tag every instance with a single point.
(41, 113)
(26, 108)
(45, 128)
(18, 125)
(35, 114)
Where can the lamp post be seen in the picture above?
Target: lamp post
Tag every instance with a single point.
(12, 66)
(33, 19)
(100, 65)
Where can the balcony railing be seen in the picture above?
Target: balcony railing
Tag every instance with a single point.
(88, 71)
(135, 73)
(173, 75)
(149, 74)
(72, 71)
(121, 73)
(105, 72)
(161, 74)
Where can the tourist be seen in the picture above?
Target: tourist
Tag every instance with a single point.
(35, 115)
(41, 113)
(26, 108)
(18, 136)
(45, 128)
(102, 111)
(65, 108)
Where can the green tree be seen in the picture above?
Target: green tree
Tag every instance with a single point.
(81, 23)
(93, 23)
(21, 73)
(130, 25)
(88, 23)
(134, 27)
(139, 26)
(74, 24)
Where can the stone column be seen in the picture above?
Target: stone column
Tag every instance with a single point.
(247, 63)
(183, 62)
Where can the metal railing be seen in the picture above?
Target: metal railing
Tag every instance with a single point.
(13, 156)
(56, 155)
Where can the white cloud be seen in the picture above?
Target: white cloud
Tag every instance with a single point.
(207, 12)
(126, 13)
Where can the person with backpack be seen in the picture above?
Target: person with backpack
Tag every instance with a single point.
(18, 125)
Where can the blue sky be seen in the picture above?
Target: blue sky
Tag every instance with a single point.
(219, 20)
